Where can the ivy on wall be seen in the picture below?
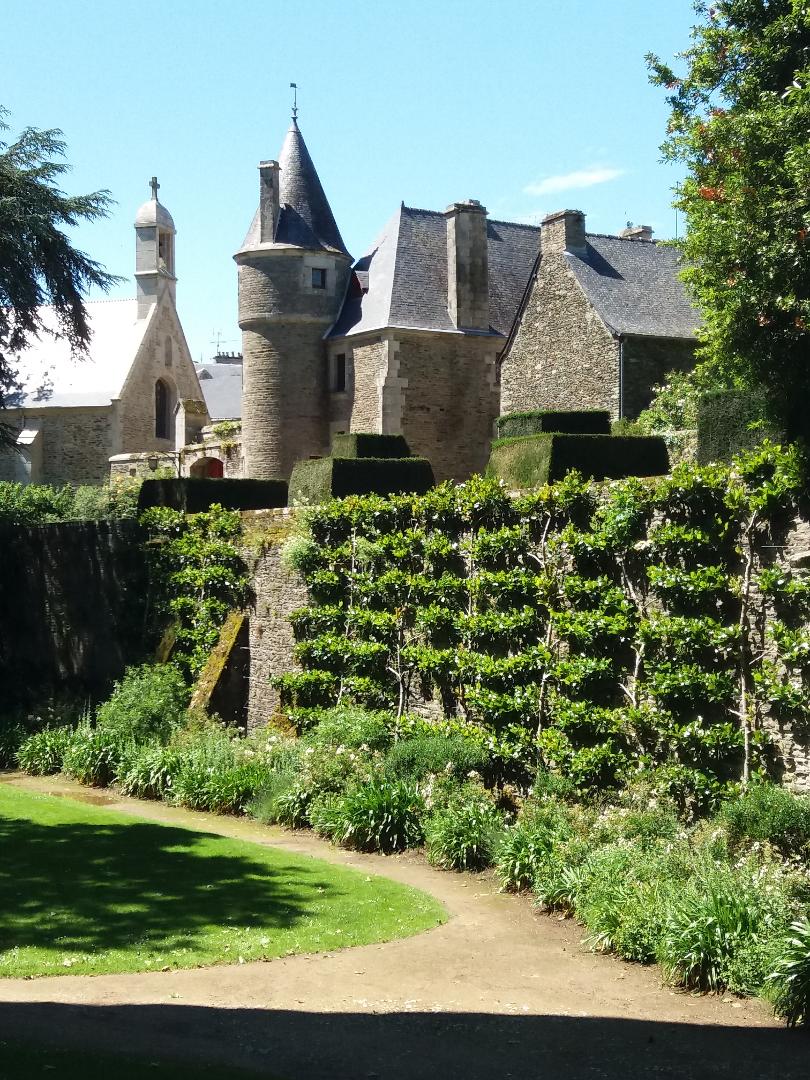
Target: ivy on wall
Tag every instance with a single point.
(604, 629)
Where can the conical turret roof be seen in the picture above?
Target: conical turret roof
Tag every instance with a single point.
(305, 218)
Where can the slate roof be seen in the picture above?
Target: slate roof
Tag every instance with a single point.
(634, 287)
(305, 218)
(402, 280)
(53, 378)
(221, 385)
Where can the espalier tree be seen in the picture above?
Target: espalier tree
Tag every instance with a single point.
(740, 123)
(600, 629)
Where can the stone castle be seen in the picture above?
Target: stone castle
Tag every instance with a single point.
(448, 320)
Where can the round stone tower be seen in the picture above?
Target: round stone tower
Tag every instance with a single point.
(293, 270)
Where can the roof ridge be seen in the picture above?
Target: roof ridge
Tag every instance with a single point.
(626, 239)
(515, 224)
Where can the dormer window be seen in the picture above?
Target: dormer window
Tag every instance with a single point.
(318, 278)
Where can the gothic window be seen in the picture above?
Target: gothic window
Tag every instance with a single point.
(318, 278)
(163, 404)
(167, 352)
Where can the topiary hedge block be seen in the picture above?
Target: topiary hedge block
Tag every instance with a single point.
(729, 421)
(541, 459)
(195, 494)
(551, 421)
(322, 479)
(370, 446)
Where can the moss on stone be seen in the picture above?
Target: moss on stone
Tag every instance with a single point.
(217, 661)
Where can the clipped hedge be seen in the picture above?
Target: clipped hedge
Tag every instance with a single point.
(553, 421)
(319, 480)
(536, 460)
(370, 446)
(729, 421)
(192, 495)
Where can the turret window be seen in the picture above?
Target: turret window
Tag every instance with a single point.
(318, 278)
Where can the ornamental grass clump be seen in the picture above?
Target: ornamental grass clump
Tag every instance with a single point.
(527, 845)
(43, 752)
(92, 755)
(465, 834)
(788, 985)
(381, 815)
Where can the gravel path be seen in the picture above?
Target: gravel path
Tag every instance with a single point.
(500, 991)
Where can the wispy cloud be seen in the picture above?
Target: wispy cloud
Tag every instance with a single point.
(580, 178)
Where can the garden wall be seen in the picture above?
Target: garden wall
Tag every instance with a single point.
(588, 614)
(71, 607)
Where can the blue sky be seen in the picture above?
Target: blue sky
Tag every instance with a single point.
(528, 107)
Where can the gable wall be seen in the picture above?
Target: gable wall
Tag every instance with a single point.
(137, 404)
(562, 356)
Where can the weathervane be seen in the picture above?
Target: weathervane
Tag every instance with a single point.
(154, 185)
(294, 88)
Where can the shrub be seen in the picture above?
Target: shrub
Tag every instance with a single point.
(717, 915)
(283, 799)
(41, 754)
(148, 703)
(770, 813)
(194, 495)
(416, 758)
(352, 728)
(324, 479)
(465, 835)
(534, 460)
(788, 986)
(147, 772)
(92, 755)
(526, 846)
(382, 815)
(572, 422)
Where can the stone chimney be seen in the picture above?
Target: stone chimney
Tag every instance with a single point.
(637, 232)
(268, 200)
(564, 230)
(467, 265)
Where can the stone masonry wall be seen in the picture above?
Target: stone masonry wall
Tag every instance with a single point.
(562, 356)
(647, 361)
(448, 399)
(76, 445)
(277, 591)
(369, 374)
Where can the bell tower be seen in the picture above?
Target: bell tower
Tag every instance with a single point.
(293, 270)
(154, 251)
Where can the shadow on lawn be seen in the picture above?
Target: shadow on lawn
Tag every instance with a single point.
(417, 1046)
(90, 887)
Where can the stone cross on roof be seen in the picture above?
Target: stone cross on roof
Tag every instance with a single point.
(154, 185)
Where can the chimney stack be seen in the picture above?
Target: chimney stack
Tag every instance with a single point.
(268, 200)
(467, 265)
(637, 232)
(564, 230)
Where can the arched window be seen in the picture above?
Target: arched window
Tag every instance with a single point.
(163, 405)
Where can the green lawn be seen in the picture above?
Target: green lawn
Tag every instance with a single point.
(84, 890)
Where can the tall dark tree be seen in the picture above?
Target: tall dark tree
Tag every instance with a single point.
(740, 122)
(38, 263)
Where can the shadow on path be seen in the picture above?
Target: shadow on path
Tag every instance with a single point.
(418, 1046)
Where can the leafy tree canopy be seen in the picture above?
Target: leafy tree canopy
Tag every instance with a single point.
(740, 122)
(38, 263)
